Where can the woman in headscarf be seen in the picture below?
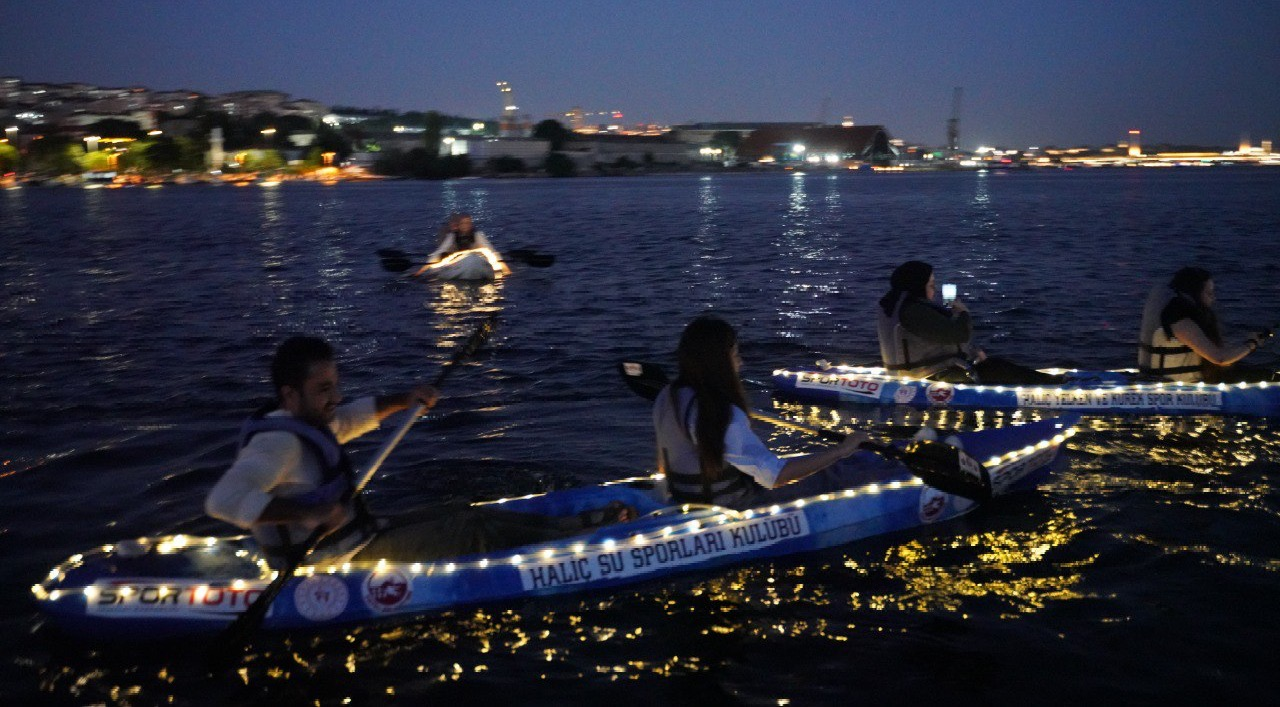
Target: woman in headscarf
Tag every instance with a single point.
(1180, 338)
(923, 339)
(706, 446)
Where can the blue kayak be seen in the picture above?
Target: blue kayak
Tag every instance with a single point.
(1084, 391)
(162, 587)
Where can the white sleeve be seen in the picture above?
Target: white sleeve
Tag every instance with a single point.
(446, 246)
(356, 418)
(246, 488)
(744, 450)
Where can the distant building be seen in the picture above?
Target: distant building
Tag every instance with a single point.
(702, 133)
(608, 149)
(531, 151)
(821, 145)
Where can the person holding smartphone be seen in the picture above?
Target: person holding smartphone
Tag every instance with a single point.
(920, 338)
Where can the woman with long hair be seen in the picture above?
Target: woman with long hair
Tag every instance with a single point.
(706, 446)
(1180, 338)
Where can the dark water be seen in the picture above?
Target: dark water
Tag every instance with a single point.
(137, 325)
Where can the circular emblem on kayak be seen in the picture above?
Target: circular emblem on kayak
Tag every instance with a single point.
(932, 503)
(321, 598)
(386, 590)
(940, 393)
(904, 395)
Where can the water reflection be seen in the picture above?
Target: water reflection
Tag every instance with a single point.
(703, 268)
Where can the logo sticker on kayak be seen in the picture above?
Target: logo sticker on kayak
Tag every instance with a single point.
(940, 393)
(847, 385)
(178, 598)
(706, 544)
(321, 598)
(904, 395)
(933, 505)
(386, 590)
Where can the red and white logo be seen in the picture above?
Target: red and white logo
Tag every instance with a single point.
(386, 590)
(932, 503)
(940, 393)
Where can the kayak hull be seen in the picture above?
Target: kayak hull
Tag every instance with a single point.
(466, 265)
(1085, 391)
(177, 586)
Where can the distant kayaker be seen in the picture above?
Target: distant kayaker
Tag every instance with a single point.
(461, 235)
(293, 477)
(923, 339)
(1180, 339)
(706, 446)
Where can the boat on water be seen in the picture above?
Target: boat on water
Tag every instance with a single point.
(164, 587)
(1117, 391)
(474, 264)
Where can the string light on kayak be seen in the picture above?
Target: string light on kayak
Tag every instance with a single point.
(710, 517)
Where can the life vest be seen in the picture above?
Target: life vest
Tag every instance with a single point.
(733, 486)
(463, 241)
(1160, 353)
(338, 478)
(905, 353)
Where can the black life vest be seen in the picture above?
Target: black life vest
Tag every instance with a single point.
(464, 241)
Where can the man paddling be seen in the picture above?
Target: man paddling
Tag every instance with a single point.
(292, 476)
(292, 479)
(462, 235)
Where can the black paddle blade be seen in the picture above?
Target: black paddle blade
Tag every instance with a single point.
(644, 379)
(392, 253)
(530, 258)
(394, 264)
(947, 468)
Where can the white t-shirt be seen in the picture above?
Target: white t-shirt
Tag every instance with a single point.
(279, 464)
(742, 448)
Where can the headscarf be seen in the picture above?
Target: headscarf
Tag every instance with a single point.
(909, 279)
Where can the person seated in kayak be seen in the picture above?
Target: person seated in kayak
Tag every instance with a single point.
(292, 478)
(462, 235)
(706, 447)
(1180, 338)
(923, 339)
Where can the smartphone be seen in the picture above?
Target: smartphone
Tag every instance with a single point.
(948, 293)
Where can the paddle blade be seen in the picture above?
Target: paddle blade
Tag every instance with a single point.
(947, 468)
(644, 379)
(226, 647)
(530, 258)
(394, 264)
(392, 253)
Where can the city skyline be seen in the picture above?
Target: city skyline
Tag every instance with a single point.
(1032, 73)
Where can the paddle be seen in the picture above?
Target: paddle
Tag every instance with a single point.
(394, 260)
(237, 634)
(941, 466)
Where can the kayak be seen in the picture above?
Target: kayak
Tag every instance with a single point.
(464, 265)
(164, 587)
(1118, 391)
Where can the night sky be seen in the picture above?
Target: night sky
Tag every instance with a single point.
(1034, 73)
